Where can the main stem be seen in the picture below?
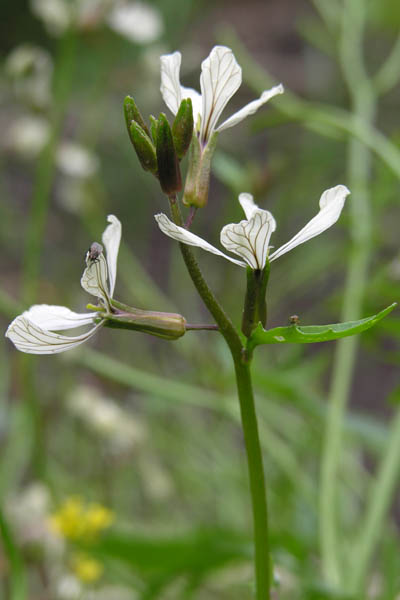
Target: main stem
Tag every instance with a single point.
(248, 416)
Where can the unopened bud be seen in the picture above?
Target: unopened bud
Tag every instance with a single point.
(182, 128)
(168, 166)
(132, 113)
(153, 128)
(198, 177)
(169, 326)
(144, 148)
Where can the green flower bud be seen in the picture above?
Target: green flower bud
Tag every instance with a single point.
(144, 148)
(168, 166)
(132, 113)
(169, 326)
(153, 128)
(182, 128)
(198, 177)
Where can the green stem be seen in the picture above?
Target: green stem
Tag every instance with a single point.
(359, 162)
(34, 237)
(378, 505)
(248, 416)
(17, 573)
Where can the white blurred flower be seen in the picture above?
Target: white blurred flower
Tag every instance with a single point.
(55, 15)
(106, 418)
(28, 135)
(34, 331)
(29, 514)
(30, 69)
(221, 77)
(250, 238)
(137, 21)
(76, 161)
(68, 587)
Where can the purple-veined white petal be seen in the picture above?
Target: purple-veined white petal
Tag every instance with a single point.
(247, 203)
(95, 279)
(220, 78)
(111, 240)
(250, 239)
(251, 108)
(29, 337)
(170, 84)
(57, 318)
(331, 204)
(186, 237)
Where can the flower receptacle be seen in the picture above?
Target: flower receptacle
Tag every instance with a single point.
(198, 176)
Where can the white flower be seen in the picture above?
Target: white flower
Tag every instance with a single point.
(34, 331)
(249, 239)
(139, 22)
(220, 78)
(76, 161)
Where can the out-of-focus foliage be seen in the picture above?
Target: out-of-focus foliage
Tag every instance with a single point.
(150, 429)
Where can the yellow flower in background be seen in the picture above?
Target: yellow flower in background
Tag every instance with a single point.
(77, 520)
(87, 569)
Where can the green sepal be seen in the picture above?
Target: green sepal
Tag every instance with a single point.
(295, 334)
(132, 113)
(169, 172)
(169, 326)
(144, 148)
(198, 176)
(182, 128)
(255, 305)
(153, 128)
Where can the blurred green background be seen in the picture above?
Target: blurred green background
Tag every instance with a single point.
(150, 429)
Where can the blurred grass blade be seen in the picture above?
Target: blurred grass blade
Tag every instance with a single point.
(17, 571)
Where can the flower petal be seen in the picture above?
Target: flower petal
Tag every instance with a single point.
(94, 279)
(186, 237)
(29, 337)
(331, 204)
(170, 84)
(57, 318)
(250, 239)
(220, 78)
(251, 108)
(111, 240)
(247, 203)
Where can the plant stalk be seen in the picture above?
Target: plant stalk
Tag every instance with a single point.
(248, 416)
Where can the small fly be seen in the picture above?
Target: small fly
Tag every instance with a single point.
(94, 252)
(294, 320)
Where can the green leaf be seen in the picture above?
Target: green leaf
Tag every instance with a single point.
(293, 334)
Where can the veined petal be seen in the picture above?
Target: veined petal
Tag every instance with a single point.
(331, 204)
(251, 108)
(220, 78)
(170, 84)
(111, 240)
(186, 237)
(94, 279)
(57, 318)
(250, 239)
(29, 337)
(247, 203)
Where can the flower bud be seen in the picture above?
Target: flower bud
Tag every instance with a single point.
(169, 326)
(132, 113)
(144, 148)
(198, 177)
(182, 128)
(168, 166)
